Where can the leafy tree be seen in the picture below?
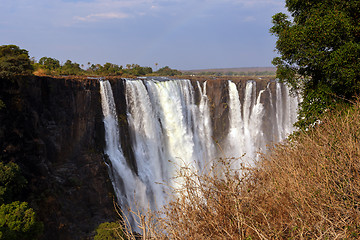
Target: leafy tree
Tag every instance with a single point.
(111, 69)
(14, 61)
(49, 63)
(109, 231)
(70, 68)
(167, 71)
(11, 181)
(319, 53)
(18, 221)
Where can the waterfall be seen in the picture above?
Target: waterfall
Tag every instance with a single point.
(171, 127)
(125, 182)
(245, 130)
(286, 111)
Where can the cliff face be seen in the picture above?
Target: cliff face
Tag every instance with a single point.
(53, 129)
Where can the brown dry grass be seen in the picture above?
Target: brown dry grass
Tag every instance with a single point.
(307, 188)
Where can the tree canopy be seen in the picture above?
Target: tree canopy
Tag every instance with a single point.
(11, 181)
(18, 221)
(14, 61)
(319, 51)
(49, 63)
(167, 71)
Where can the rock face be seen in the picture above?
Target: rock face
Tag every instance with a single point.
(53, 129)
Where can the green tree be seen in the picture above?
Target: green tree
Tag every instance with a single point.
(11, 182)
(70, 68)
(109, 231)
(14, 61)
(49, 63)
(18, 221)
(319, 53)
(167, 71)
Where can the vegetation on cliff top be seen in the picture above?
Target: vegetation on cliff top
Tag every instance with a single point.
(14, 61)
(51, 66)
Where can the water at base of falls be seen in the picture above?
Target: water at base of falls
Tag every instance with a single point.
(169, 130)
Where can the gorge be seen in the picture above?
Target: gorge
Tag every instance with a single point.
(58, 130)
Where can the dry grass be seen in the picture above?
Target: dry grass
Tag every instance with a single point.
(308, 188)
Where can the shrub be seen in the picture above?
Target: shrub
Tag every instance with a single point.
(109, 231)
(11, 181)
(14, 61)
(17, 221)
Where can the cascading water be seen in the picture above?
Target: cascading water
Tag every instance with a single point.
(170, 130)
(245, 134)
(167, 126)
(123, 179)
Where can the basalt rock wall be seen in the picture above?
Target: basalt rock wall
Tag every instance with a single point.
(53, 129)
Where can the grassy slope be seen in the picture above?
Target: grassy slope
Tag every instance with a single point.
(308, 188)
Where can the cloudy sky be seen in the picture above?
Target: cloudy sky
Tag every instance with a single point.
(183, 34)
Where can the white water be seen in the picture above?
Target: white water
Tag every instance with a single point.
(169, 131)
(125, 182)
(245, 136)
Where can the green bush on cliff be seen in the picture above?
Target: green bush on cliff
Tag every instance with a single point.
(11, 182)
(109, 231)
(18, 221)
(167, 71)
(14, 61)
(71, 68)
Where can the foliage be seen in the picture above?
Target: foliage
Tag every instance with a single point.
(230, 73)
(18, 221)
(320, 51)
(49, 63)
(70, 68)
(11, 181)
(2, 104)
(14, 61)
(137, 70)
(306, 188)
(109, 231)
(167, 71)
(51, 66)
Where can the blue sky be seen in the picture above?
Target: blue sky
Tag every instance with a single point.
(183, 34)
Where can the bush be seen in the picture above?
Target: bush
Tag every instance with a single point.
(11, 182)
(109, 231)
(14, 61)
(17, 221)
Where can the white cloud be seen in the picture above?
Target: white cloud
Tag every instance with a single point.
(102, 16)
(249, 19)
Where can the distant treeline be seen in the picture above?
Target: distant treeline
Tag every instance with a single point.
(230, 73)
(52, 66)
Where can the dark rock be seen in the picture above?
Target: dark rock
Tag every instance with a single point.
(53, 129)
